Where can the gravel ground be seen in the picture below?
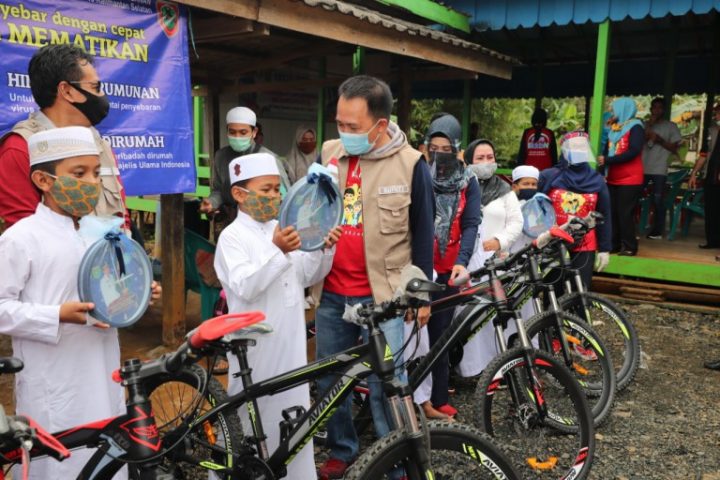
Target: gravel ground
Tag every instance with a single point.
(666, 425)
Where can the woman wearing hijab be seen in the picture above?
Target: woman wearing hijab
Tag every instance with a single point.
(457, 216)
(624, 172)
(302, 154)
(502, 224)
(576, 189)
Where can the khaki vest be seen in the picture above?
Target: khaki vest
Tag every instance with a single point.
(110, 202)
(386, 191)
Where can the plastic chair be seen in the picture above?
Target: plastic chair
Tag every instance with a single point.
(209, 295)
(673, 185)
(692, 204)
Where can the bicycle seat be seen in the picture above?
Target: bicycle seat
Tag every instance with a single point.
(10, 365)
(417, 285)
(216, 328)
(247, 333)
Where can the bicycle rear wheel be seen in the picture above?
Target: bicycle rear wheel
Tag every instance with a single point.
(457, 451)
(560, 445)
(591, 364)
(193, 449)
(613, 326)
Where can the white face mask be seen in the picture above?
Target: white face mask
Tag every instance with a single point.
(483, 171)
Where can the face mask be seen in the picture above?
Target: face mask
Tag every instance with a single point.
(357, 143)
(446, 164)
(74, 196)
(261, 208)
(95, 108)
(483, 171)
(307, 147)
(239, 144)
(526, 193)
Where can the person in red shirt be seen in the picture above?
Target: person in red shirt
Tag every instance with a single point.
(537, 146)
(624, 173)
(67, 89)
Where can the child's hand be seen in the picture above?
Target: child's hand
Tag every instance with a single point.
(155, 292)
(286, 239)
(333, 237)
(77, 313)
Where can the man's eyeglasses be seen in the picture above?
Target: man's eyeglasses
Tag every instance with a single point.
(94, 84)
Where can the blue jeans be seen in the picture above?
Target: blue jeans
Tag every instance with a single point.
(335, 335)
(658, 202)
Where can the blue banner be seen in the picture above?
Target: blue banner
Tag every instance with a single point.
(140, 50)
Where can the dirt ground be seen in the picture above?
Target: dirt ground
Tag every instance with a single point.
(666, 425)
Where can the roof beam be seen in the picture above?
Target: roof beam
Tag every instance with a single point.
(432, 11)
(299, 17)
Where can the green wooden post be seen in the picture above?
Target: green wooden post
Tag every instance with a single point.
(466, 112)
(359, 61)
(598, 100)
(321, 105)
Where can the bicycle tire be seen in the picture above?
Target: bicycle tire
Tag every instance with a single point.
(613, 326)
(174, 418)
(592, 365)
(449, 444)
(559, 446)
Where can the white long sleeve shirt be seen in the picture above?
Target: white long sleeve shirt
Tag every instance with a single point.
(257, 275)
(67, 376)
(502, 219)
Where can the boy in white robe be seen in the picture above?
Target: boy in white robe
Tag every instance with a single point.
(68, 357)
(261, 268)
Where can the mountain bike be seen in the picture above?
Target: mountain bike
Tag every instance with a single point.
(131, 439)
(415, 449)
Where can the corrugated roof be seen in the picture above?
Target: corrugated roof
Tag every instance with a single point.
(513, 14)
(413, 29)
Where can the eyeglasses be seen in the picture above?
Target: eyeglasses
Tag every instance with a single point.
(94, 84)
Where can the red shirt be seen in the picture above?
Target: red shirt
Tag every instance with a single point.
(538, 151)
(348, 275)
(626, 173)
(18, 196)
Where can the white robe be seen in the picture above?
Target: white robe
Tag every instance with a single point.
(418, 347)
(256, 275)
(503, 220)
(67, 376)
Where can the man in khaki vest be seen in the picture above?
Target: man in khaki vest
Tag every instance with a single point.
(67, 89)
(388, 217)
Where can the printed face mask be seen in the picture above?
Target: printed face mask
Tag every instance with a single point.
(74, 196)
(483, 171)
(526, 193)
(261, 208)
(95, 108)
(357, 143)
(239, 144)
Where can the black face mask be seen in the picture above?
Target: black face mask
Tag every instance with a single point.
(446, 164)
(95, 108)
(526, 193)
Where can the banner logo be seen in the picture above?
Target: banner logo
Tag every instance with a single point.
(168, 17)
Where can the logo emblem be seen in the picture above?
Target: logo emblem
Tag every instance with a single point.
(168, 17)
(237, 169)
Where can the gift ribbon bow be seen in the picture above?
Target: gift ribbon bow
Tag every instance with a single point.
(114, 239)
(325, 183)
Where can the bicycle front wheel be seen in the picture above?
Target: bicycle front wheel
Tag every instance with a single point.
(193, 449)
(456, 451)
(613, 326)
(558, 444)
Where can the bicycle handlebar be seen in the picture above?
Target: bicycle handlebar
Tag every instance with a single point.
(20, 432)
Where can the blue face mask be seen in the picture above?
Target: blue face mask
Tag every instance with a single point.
(357, 143)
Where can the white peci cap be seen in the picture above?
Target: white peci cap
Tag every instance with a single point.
(241, 115)
(251, 166)
(61, 143)
(525, 171)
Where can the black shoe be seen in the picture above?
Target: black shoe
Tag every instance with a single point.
(706, 246)
(713, 365)
(627, 253)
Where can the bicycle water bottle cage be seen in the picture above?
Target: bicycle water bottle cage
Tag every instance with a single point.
(291, 418)
(10, 365)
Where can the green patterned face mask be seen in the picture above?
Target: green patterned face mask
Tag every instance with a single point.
(76, 197)
(262, 208)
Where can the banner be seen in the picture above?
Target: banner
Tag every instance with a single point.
(140, 50)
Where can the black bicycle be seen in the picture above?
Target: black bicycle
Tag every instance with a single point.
(415, 449)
